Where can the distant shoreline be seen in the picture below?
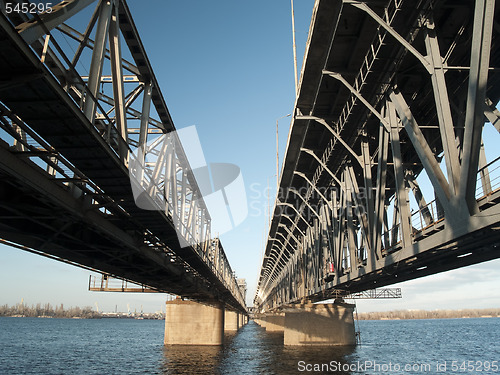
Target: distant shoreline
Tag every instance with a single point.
(104, 316)
(463, 317)
(435, 314)
(47, 311)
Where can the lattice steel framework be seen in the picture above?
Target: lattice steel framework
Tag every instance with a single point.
(75, 106)
(388, 90)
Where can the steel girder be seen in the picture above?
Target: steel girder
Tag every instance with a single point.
(388, 91)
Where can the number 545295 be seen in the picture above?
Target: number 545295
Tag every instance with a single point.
(28, 8)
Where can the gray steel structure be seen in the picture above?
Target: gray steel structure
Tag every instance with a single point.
(388, 90)
(70, 122)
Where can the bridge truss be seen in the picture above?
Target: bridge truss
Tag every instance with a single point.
(76, 104)
(392, 93)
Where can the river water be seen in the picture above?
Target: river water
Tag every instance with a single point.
(126, 346)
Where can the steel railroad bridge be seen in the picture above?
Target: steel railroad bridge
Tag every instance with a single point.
(75, 106)
(392, 92)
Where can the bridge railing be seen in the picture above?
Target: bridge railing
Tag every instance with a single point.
(488, 180)
(488, 183)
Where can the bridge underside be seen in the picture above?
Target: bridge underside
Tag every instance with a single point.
(54, 218)
(393, 96)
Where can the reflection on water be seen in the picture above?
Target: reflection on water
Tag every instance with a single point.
(180, 359)
(250, 351)
(129, 346)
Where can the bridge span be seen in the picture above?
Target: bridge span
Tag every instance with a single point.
(76, 125)
(386, 177)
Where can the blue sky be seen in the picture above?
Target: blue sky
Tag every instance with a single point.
(227, 67)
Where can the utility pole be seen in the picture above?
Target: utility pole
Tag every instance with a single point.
(278, 154)
(294, 51)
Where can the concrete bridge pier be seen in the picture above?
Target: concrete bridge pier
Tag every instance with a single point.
(275, 322)
(320, 324)
(260, 320)
(231, 320)
(193, 323)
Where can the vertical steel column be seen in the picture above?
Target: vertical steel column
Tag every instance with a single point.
(182, 218)
(361, 214)
(169, 174)
(399, 175)
(396, 219)
(199, 225)
(327, 239)
(383, 151)
(442, 106)
(337, 254)
(97, 61)
(173, 176)
(478, 77)
(193, 211)
(206, 239)
(387, 242)
(351, 231)
(367, 174)
(143, 130)
(118, 87)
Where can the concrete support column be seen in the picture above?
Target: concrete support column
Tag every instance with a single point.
(231, 321)
(192, 323)
(260, 320)
(275, 322)
(320, 324)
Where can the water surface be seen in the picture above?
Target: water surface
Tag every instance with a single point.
(127, 346)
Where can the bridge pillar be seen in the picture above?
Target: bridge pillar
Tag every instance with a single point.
(192, 323)
(231, 321)
(275, 322)
(259, 319)
(320, 324)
